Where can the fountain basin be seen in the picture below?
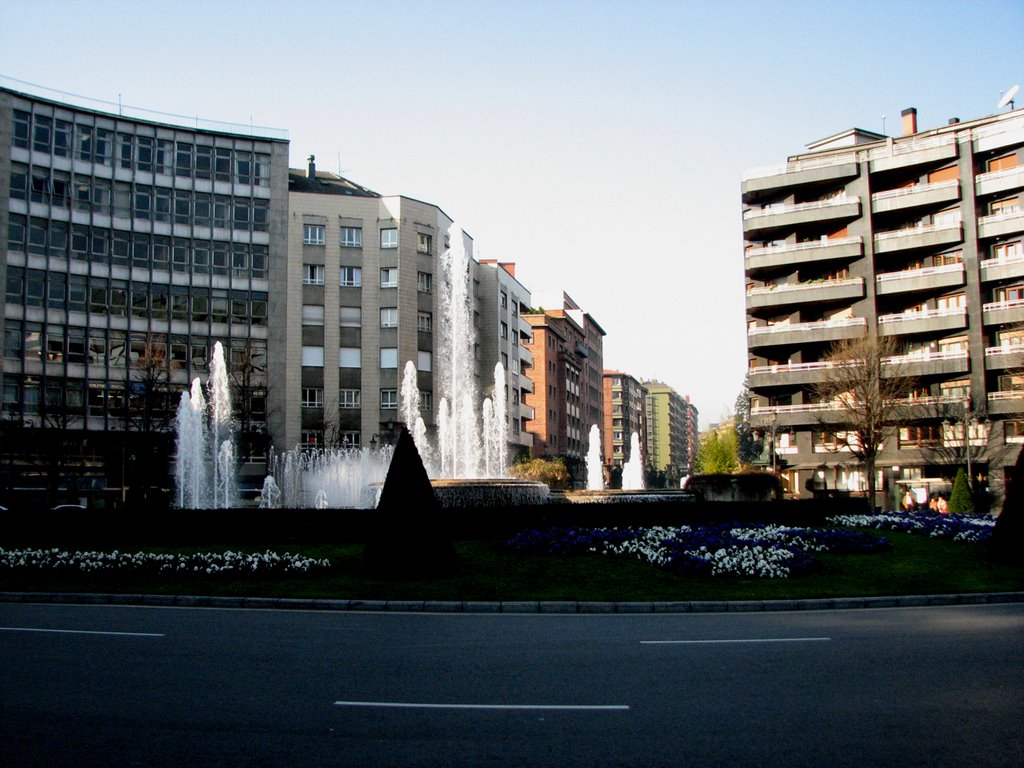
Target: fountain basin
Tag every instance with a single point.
(489, 492)
(613, 496)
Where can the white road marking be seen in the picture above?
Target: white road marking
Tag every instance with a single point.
(80, 632)
(542, 707)
(751, 640)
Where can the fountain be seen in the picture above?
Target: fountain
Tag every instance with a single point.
(633, 471)
(595, 467)
(205, 468)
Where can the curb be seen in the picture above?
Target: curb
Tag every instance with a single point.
(512, 607)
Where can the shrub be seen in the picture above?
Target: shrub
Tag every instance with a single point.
(552, 472)
(960, 501)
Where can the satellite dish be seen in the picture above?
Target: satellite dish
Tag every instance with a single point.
(1008, 97)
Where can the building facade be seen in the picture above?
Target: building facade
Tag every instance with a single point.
(132, 246)
(671, 432)
(359, 301)
(917, 237)
(624, 414)
(567, 347)
(505, 338)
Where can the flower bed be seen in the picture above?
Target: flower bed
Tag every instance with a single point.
(208, 563)
(757, 550)
(970, 528)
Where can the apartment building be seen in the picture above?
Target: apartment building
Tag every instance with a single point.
(359, 302)
(505, 335)
(133, 245)
(917, 237)
(672, 437)
(567, 347)
(624, 414)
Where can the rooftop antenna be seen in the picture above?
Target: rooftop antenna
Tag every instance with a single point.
(1008, 98)
(883, 124)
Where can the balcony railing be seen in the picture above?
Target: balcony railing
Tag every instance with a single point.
(1006, 173)
(790, 368)
(1011, 395)
(796, 166)
(797, 287)
(1000, 261)
(920, 230)
(912, 144)
(908, 274)
(1004, 304)
(889, 194)
(992, 218)
(771, 250)
(925, 356)
(812, 326)
(924, 314)
(816, 205)
(768, 410)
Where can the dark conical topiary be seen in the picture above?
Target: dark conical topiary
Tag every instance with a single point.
(408, 536)
(1007, 544)
(960, 500)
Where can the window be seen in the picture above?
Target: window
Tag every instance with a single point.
(389, 277)
(504, 330)
(350, 317)
(424, 282)
(424, 361)
(348, 398)
(1006, 251)
(313, 274)
(1006, 205)
(351, 277)
(389, 238)
(350, 357)
(389, 357)
(204, 162)
(389, 317)
(313, 234)
(311, 440)
(424, 243)
(312, 397)
(349, 438)
(504, 300)
(351, 237)
(389, 398)
(424, 322)
(21, 129)
(312, 314)
(313, 357)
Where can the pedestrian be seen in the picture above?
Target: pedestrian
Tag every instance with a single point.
(943, 506)
(908, 502)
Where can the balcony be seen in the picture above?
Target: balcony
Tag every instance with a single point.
(999, 181)
(924, 279)
(1006, 402)
(788, 374)
(923, 321)
(525, 355)
(1003, 133)
(801, 333)
(840, 248)
(803, 293)
(1002, 268)
(926, 407)
(925, 236)
(916, 196)
(904, 153)
(1001, 358)
(929, 363)
(999, 312)
(794, 415)
(1000, 224)
(799, 172)
(526, 411)
(525, 383)
(789, 216)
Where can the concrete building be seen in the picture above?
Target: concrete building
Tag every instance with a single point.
(132, 246)
(359, 301)
(917, 237)
(567, 348)
(671, 431)
(504, 338)
(624, 414)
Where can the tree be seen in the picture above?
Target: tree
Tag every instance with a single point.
(960, 501)
(866, 387)
(717, 453)
(749, 446)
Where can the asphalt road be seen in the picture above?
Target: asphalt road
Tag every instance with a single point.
(122, 686)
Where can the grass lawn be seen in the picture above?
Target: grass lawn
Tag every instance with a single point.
(915, 565)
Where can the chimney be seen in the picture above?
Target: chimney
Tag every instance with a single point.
(909, 121)
(311, 171)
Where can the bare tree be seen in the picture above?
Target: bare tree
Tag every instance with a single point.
(866, 385)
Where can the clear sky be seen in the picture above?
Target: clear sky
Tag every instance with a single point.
(599, 145)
